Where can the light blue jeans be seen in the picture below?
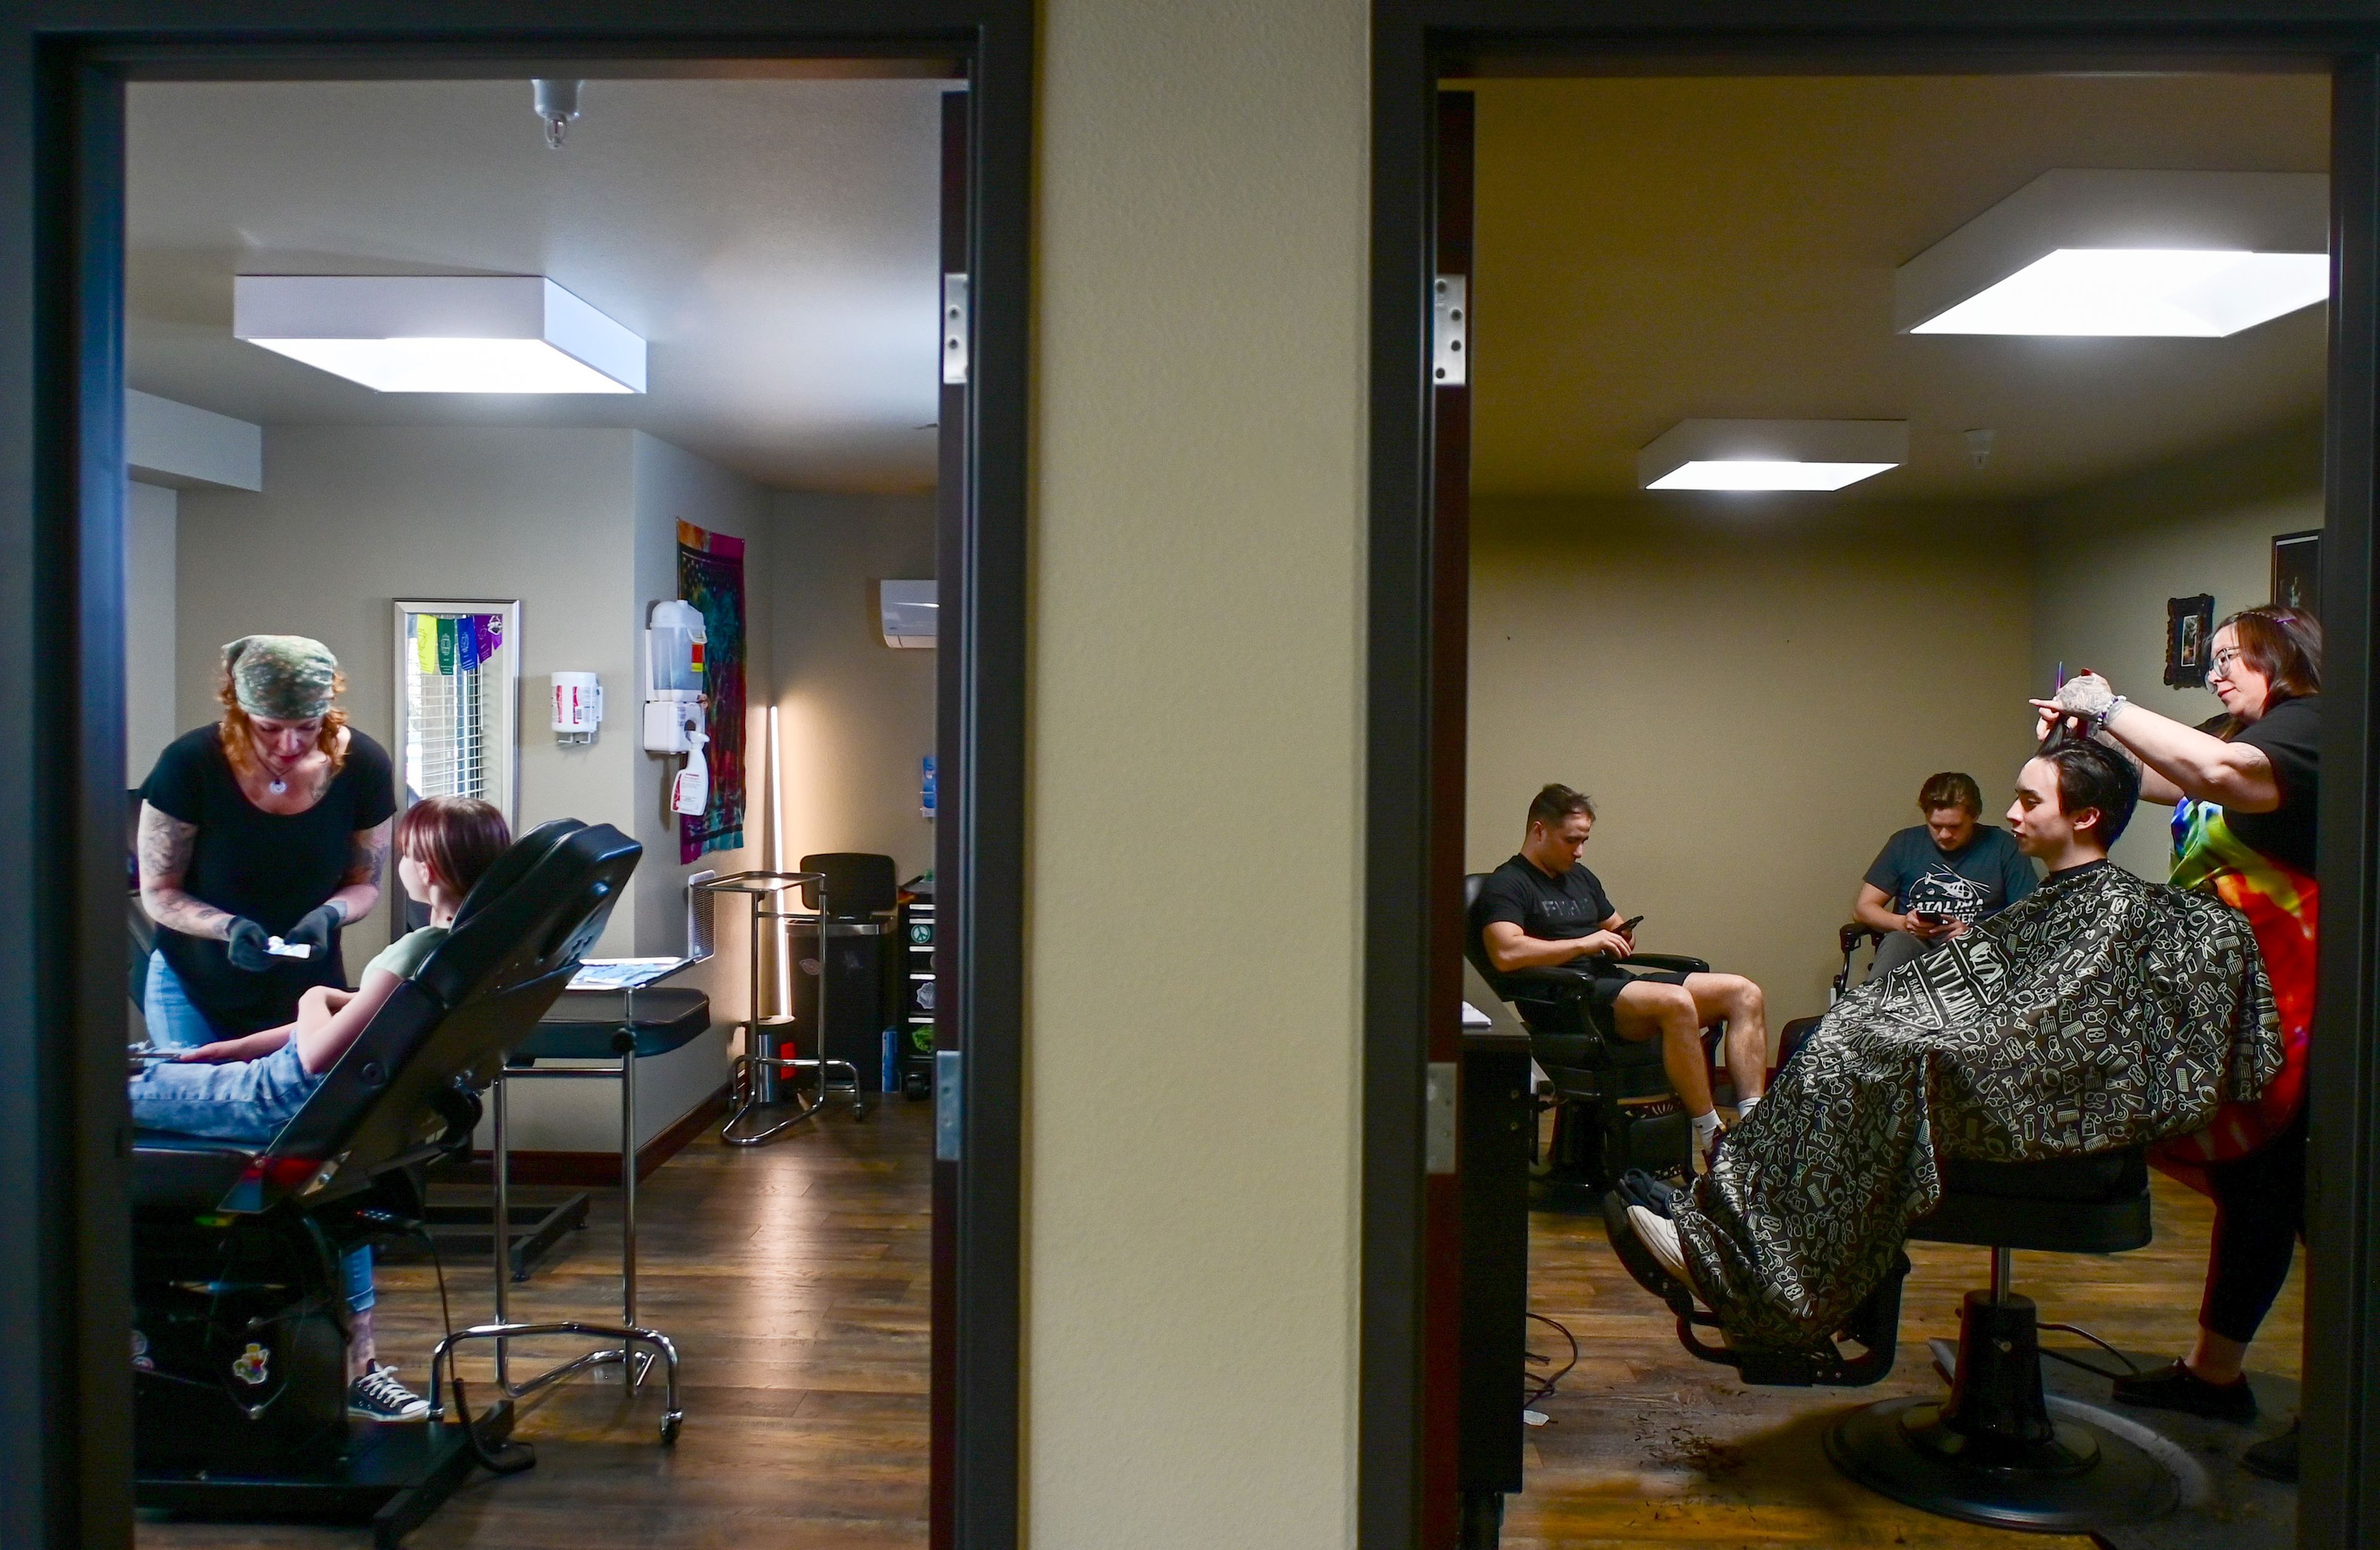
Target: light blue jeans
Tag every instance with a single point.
(173, 1020)
(238, 1100)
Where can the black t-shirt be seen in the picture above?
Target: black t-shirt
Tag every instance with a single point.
(1984, 879)
(1542, 905)
(271, 867)
(2290, 735)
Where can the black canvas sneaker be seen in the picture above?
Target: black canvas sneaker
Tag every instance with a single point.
(377, 1396)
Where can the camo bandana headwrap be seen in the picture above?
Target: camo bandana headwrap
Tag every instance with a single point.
(282, 678)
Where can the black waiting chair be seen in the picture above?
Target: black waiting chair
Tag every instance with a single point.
(1991, 1452)
(240, 1351)
(1614, 1107)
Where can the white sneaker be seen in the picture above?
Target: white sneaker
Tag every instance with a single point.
(1659, 1237)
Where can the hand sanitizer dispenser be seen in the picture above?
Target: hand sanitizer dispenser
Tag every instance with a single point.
(673, 644)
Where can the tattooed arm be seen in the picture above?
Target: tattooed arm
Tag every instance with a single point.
(367, 863)
(166, 845)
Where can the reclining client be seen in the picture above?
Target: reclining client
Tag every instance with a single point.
(247, 1088)
(1543, 911)
(2098, 1014)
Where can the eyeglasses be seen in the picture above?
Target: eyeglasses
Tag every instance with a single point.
(2224, 660)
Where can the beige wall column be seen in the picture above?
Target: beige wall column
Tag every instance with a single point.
(1196, 775)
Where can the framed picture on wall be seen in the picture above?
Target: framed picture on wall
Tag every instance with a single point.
(2189, 625)
(2297, 571)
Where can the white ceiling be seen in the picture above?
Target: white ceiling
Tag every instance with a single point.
(1653, 250)
(776, 242)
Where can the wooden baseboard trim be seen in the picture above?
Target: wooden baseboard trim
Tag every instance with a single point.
(601, 1170)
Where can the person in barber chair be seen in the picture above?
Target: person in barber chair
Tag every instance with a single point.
(1933, 880)
(2100, 1013)
(1542, 910)
(247, 1088)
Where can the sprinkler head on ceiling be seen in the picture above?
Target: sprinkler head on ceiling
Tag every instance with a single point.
(557, 105)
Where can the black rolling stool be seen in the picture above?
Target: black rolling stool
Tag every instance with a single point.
(1991, 1453)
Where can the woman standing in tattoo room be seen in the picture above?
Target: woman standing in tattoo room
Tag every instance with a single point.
(272, 822)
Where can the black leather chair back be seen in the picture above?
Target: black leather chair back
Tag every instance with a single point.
(859, 885)
(516, 942)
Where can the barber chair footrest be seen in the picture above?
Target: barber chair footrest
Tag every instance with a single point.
(392, 1476)
(1874, 1325)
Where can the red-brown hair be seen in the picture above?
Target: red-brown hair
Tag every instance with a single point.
(458, 837)
(239, 733)
(2282, 644)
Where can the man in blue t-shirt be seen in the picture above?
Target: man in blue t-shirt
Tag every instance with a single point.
(1932, 882)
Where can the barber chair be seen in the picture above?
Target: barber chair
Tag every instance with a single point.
(240, 1352)
(1991, 1452)
(1614, 1108)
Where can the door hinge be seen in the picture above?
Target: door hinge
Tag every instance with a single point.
(1450, 330)
(947, 1106)
(955, 330)
(1438, 1118)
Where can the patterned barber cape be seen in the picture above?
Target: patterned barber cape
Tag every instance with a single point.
(2098, 1014)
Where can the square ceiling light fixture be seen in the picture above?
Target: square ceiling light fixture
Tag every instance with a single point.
(1771, 453)
(2182, 254)
(439, 333)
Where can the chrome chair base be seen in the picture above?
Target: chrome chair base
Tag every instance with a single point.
(635, 1363)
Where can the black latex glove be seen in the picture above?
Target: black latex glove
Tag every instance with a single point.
(247, 947)
(316, 930)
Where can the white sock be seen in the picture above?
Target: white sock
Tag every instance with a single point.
(1706, 1126)
(1743, 1107)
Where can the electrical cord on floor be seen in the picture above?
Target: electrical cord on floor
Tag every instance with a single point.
(2088, 1367)
(1545, 1385)
(507, 1458)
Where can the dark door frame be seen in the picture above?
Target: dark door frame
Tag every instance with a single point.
(1414, 673)
(65, 1309)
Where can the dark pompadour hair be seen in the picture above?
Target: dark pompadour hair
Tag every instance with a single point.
(2091, 774)
(1952, 788)
(1557, 802)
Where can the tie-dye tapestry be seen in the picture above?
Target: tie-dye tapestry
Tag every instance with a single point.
(710, 576)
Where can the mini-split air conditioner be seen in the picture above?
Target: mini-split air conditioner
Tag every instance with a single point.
(910, 613)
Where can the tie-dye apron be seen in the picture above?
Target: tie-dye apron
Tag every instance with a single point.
(2282, 905)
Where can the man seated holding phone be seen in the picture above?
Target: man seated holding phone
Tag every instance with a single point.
(1933, 880)
(1542, 910)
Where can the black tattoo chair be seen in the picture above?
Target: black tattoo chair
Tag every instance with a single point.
(242, 1324)
(1992, 1452)
(1614, 1108)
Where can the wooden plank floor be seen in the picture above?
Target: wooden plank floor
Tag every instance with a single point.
(793, 1278)
(1649, 1446)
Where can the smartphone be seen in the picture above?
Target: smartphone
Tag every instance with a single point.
(1930, 918)
(1631, 924)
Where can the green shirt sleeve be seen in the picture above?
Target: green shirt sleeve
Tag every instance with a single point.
(409, 952)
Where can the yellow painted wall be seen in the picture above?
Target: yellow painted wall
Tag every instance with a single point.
(1196, 775)
(1752, 694)
(2105, 559)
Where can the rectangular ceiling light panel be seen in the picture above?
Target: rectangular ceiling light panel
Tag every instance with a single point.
(2170, 254)
(439, 333)
(1771, 453)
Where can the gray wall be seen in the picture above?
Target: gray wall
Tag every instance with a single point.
(581, 527)
(351, 518)
(2105, 560)
(856, 715)
(150, 717)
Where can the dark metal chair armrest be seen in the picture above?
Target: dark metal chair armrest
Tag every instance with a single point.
(1852, 935)
(1676, 963)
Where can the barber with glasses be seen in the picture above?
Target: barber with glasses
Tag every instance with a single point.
(2244, 795)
